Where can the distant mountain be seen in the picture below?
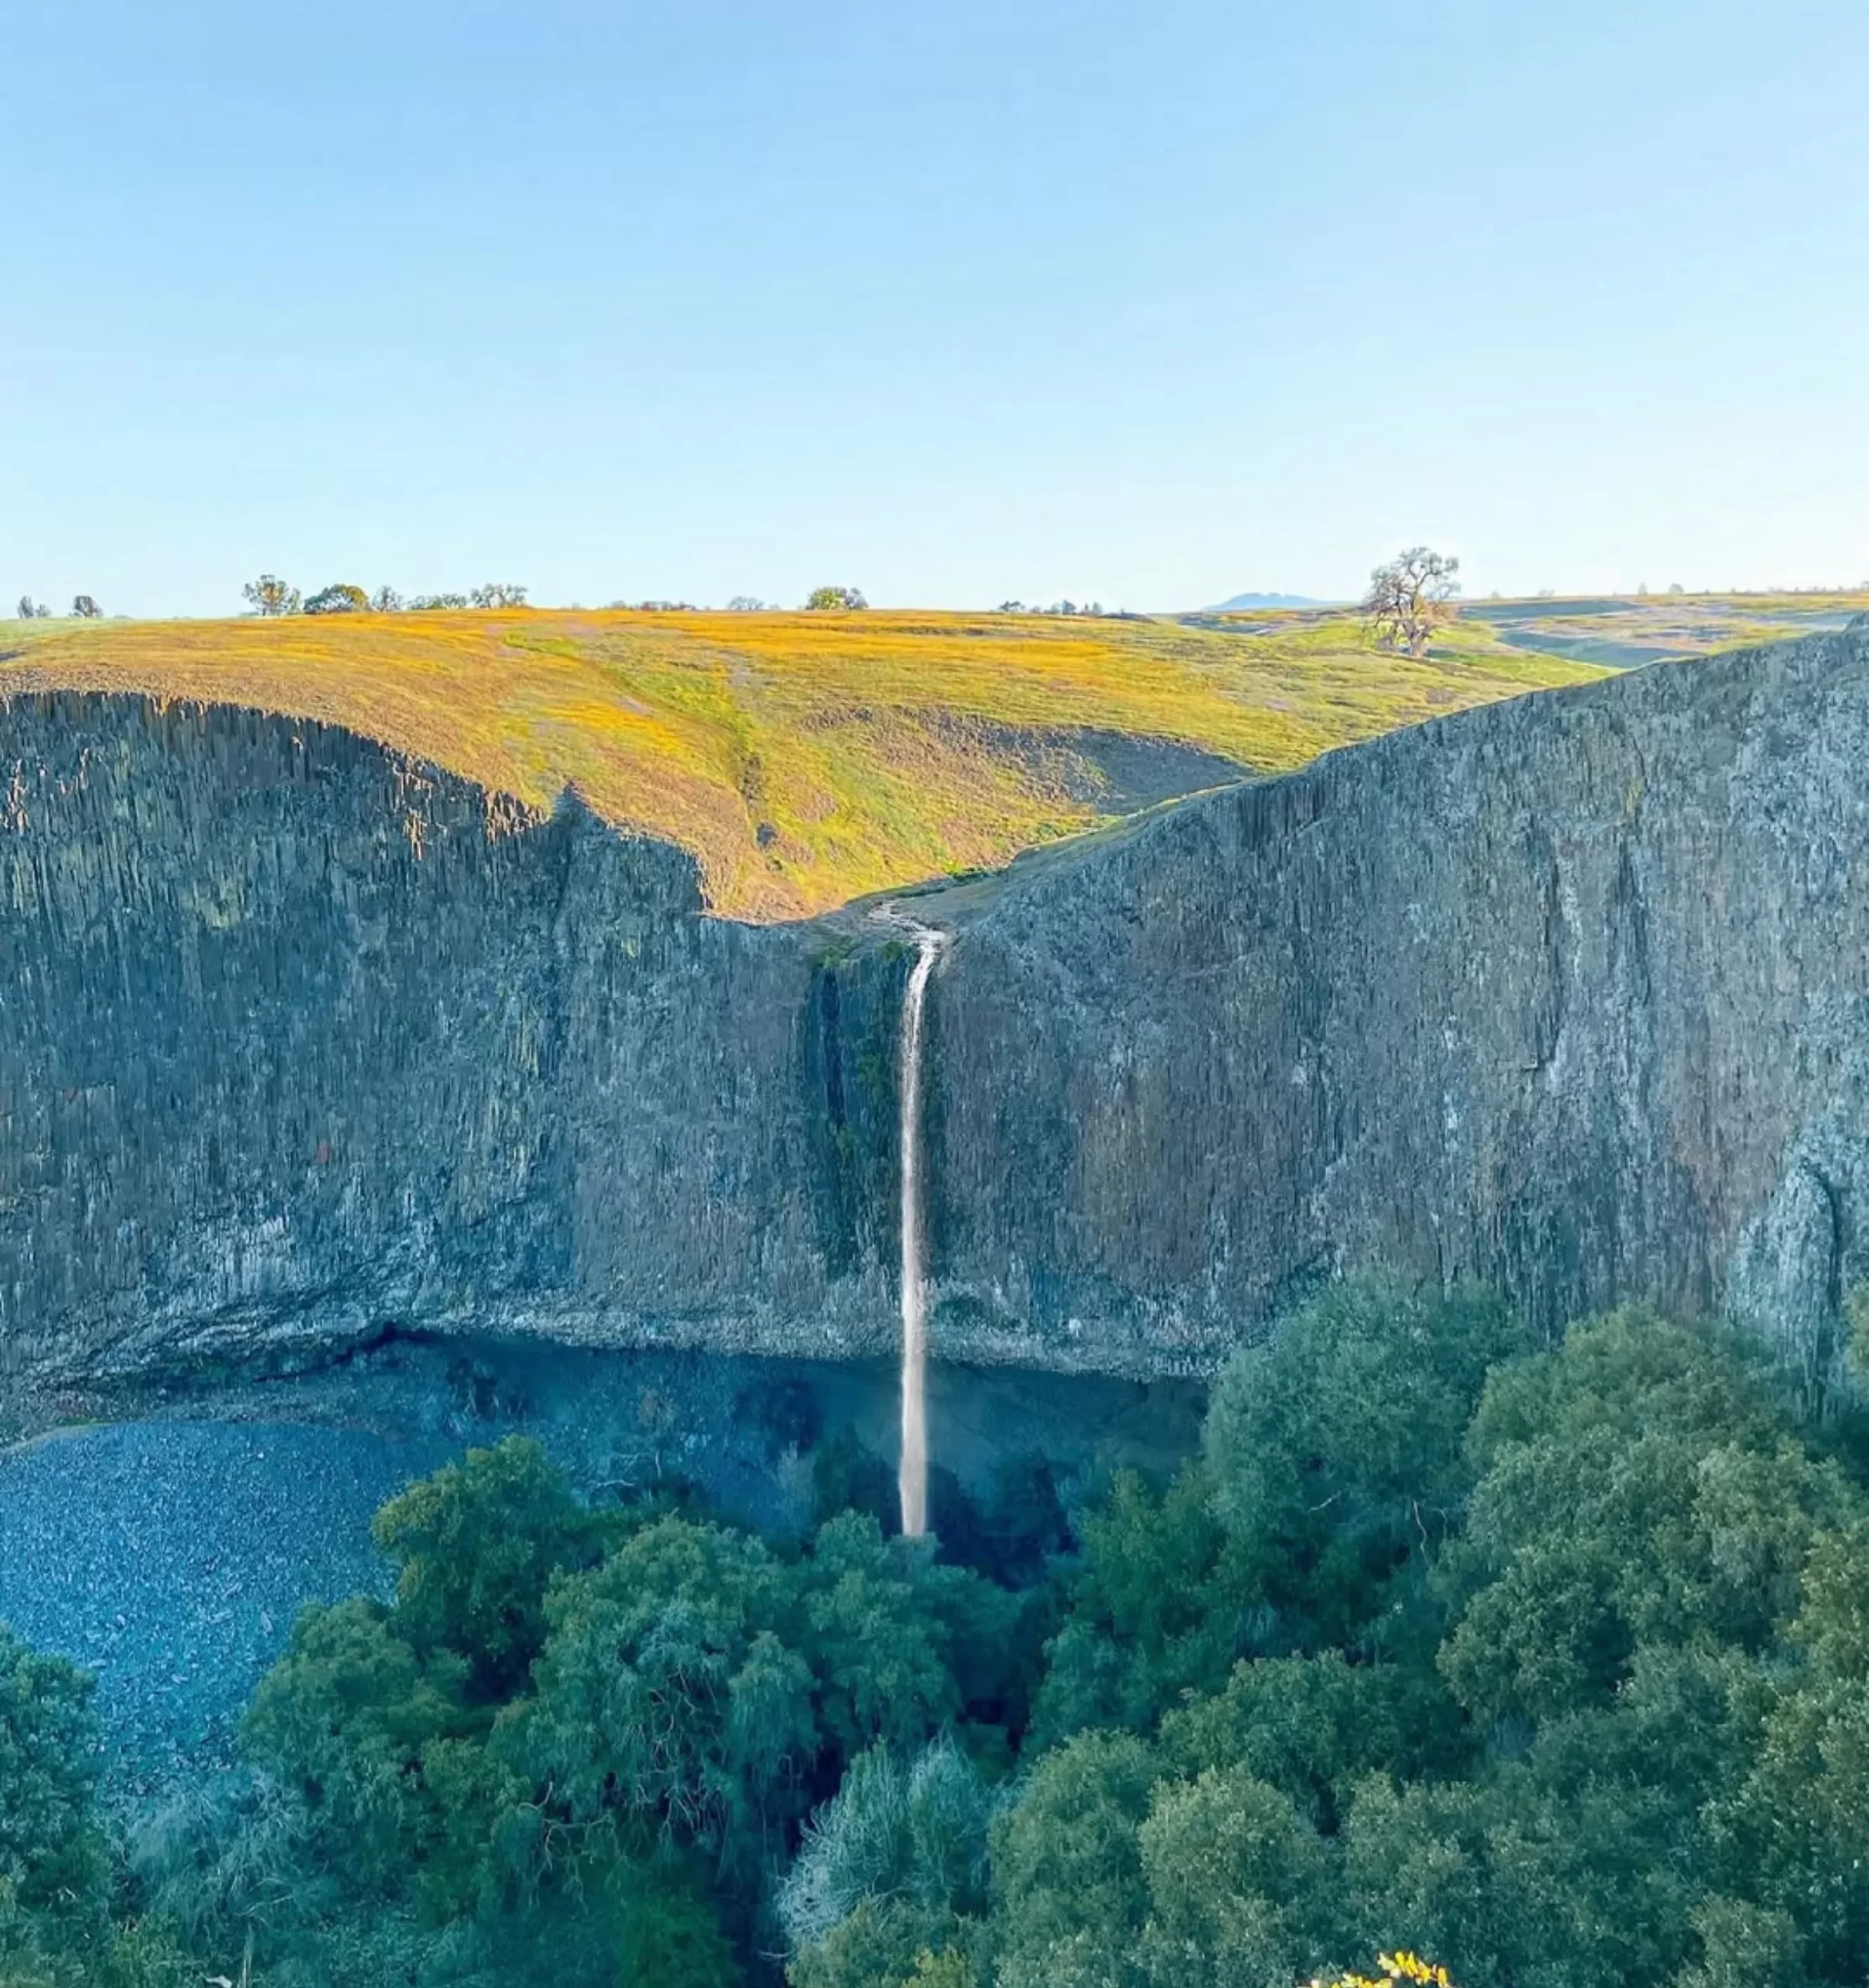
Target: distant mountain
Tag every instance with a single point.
(1246, 600)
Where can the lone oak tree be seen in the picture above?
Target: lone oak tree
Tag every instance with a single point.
(1410, 597)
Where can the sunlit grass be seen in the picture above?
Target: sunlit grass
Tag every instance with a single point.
(805, 760)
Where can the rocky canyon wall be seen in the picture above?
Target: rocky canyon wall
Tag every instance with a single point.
(300, 1044)
(1569, 995)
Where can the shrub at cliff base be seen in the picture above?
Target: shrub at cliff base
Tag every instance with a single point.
(1552, 1665)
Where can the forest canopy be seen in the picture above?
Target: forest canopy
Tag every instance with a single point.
(1551, 1665)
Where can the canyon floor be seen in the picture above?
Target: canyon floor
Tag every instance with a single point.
(170, 1550)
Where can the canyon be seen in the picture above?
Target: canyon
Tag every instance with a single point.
(306, 1045)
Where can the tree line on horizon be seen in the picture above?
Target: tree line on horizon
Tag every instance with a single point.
(1409, 599)
(270, 596)
(83, 608)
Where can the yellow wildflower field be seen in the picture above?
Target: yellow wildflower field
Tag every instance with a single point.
(809, 759)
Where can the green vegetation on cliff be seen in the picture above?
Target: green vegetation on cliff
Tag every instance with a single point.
(1552, 1665)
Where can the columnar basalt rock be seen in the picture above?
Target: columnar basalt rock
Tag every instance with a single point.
(300, 1043)
(1570, 996)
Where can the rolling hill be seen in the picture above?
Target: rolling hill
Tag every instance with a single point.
(808, 759)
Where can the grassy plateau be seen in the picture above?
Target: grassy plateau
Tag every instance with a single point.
(806, 760)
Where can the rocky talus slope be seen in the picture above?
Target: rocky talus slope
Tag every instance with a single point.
(301, 1043)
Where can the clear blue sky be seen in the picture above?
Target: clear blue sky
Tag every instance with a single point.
(1153, 302)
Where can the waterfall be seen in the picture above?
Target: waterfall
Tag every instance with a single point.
(914, 1479)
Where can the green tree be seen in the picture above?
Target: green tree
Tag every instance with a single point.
(1744, 1945)
(1070, 1895)
(345, 1717)
(1238, 1884)
(269, 596)
(339, 599)
(1336, 1453)
(1507, 1880)
(475, 1546)
(887, 1943)
(667, 1701)
(877, 1649)
(951, 1967)
(907, 1841)
(1161, 1603)
(1311, 1726)
(51, 1853)
(827, 599)
(1796, 1835)
(672, 1938)
(1640, 1487)
(221, 1855)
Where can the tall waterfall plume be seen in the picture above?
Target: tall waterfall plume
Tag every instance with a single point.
(914, 1477)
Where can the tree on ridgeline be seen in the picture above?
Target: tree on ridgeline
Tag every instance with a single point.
(498, 594)
(338, 600)
(385, 600)
(270, 596)
(748, 603)
(85, 608)
(32, 610)
(424, 602)
(824, 600)
(1410, 597)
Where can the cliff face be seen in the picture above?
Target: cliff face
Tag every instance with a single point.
(299, 1043)
(1570, 996)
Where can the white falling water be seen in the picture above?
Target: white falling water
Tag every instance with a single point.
(914, 1477)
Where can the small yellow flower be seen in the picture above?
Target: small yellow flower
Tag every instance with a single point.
(1399, 1966)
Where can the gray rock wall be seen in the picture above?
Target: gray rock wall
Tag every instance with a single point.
(1569, 995)
(299, 1043)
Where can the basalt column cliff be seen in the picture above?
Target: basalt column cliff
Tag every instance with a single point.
(300, 1044)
